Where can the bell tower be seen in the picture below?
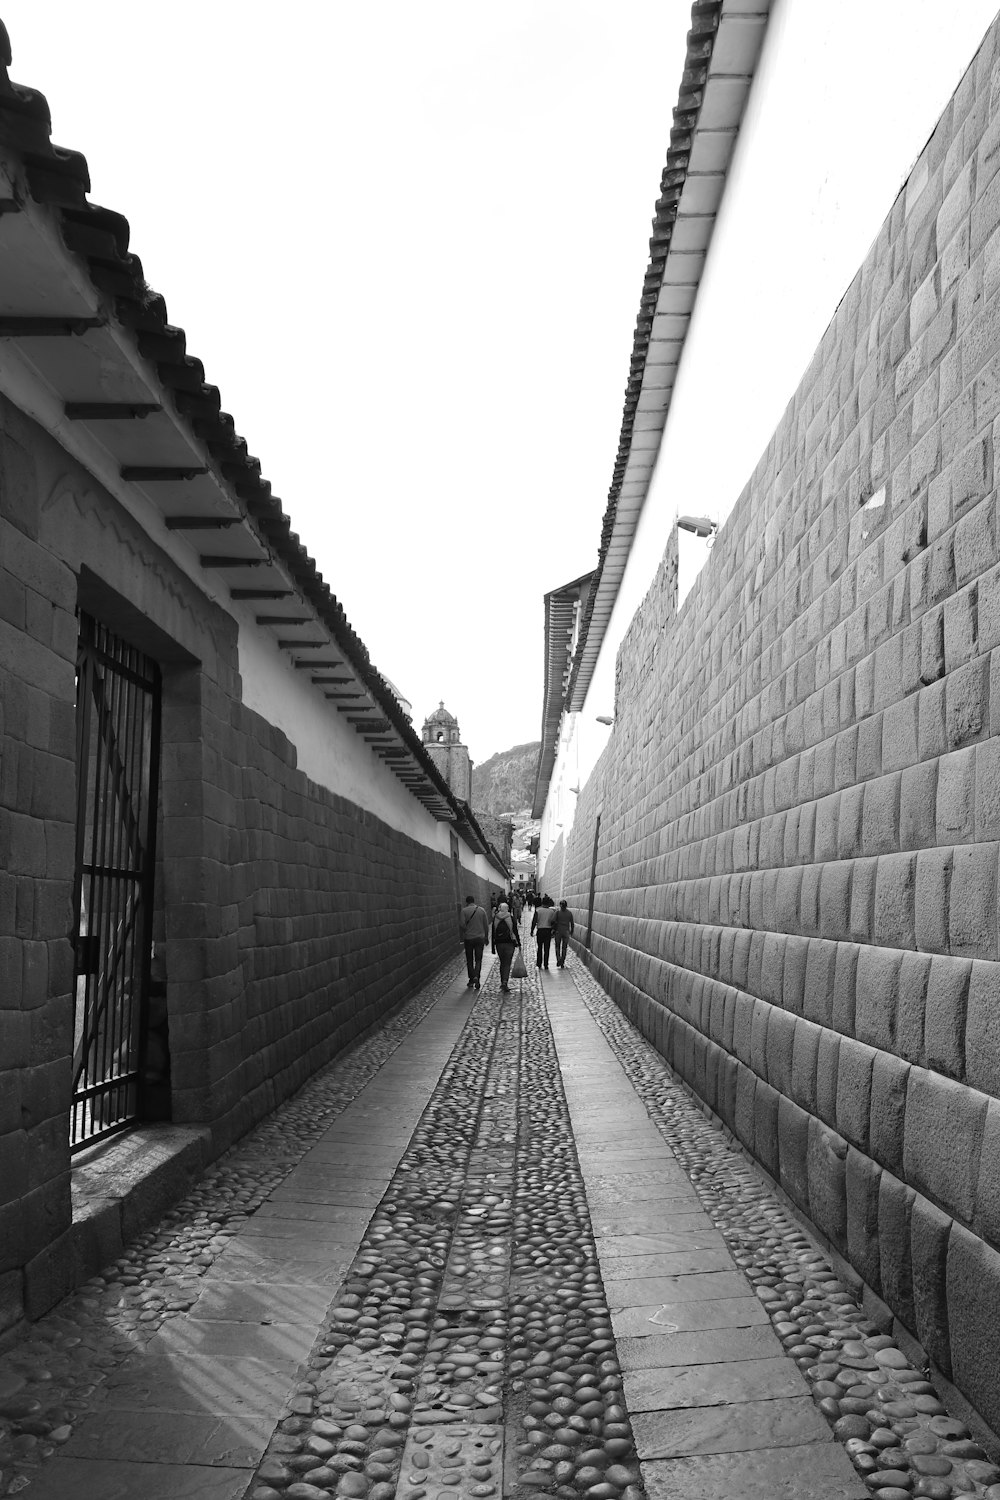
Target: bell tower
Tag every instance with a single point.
(443, 742)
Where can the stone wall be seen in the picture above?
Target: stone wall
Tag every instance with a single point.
(795, 890)
(291, 919)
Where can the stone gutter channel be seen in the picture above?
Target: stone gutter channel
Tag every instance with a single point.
(470, 1350)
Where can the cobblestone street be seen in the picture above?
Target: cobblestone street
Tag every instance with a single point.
(495, 1250)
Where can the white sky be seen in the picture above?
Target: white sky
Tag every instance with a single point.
(407, 242)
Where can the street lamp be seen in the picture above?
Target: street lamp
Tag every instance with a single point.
(605, 718)
(701, 526)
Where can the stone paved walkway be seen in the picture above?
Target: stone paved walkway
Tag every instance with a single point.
(495, 1251)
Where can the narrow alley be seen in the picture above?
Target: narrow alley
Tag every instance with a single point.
(493, 1250)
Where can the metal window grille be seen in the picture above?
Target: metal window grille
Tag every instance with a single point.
(118, 735)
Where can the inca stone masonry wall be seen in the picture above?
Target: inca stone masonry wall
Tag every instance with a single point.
(795, 894)
(292, 919)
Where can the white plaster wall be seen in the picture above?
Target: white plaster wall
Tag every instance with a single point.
(845, 98)
(479, 865)
(328, 750)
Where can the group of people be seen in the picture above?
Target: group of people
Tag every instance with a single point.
(502, 927)
(551, 921)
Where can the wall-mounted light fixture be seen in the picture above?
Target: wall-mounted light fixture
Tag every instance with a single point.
(701, 526)
(605, 718)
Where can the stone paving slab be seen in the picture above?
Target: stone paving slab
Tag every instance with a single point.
(615, 1246)
(649, 1319)
(464, 1457)
(281, 1342)
(647, 1220)
(667, 1194)
(338, 1195)
(211, 1386)
(717, 1384)
(730, 1429)
(671, 1263)
(658, 1181)
(119, 1479)
(260, 1302)
(167, 1437)
(670, 1317)
(322, 1237)
(696, 1346)
(258, 1258)
(819, 1471)
(698, 1286)
(303, 1212)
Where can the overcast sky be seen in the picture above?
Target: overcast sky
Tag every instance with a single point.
(407, 242)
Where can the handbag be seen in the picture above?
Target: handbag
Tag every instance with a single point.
(517, 968)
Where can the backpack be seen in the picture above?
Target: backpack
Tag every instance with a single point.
(502, 930)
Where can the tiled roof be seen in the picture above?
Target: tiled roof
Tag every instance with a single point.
(723, 46)
(98, 240)
(563, 607)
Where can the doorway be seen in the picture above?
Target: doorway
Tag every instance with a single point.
(118, 749)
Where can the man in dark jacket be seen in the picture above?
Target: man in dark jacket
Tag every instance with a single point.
(474, 929)
(541, 924)
(563, 932)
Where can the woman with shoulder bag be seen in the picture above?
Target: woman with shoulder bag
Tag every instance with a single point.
(504, 942)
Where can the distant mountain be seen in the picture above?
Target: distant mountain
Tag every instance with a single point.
(505, 784)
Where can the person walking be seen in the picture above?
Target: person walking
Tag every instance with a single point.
(504, 940)
(541, 926)
(563, 931)
(473, 926)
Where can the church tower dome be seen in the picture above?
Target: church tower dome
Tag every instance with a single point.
(443, 742)
(441, 728)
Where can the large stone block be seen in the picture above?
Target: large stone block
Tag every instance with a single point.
(742, 1026)
(863, 899)
(821, 961)
(888, 1111)
(895, 1263)
(934, 868)
(943, 1139)
(982, 1028)
(835, 899)
(987, 1216)
(972, 910)
(805, 1056)
(793, 1152)
(862, 1179)
(914, 976)
(827, 1171)
(793, 979)
(895, 901)
(765, 1139)
(945, 1015)
(929, 1233)
(854, 1091)
(967, 698)
(781, 1027)
(933, 739)
(956, 797)
(877, 996)
(973, 1292)
(745, 1127)
(845, 988)
(899, 735)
